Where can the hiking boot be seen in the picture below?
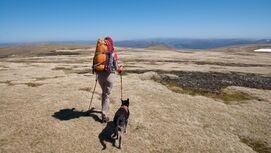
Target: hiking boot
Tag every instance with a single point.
(105, 119)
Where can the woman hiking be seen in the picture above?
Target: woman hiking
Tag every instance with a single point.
(105, 63)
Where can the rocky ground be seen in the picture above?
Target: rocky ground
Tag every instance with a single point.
(215, 100)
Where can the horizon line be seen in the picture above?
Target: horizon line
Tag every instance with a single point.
(136, 39)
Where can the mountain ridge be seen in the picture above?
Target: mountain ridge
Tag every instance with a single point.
(179, 43)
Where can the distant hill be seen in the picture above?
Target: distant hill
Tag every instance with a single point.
(191, 43)
(168, 43)
(160, 46)
(8, 44)
(83, 42)
(37, 49)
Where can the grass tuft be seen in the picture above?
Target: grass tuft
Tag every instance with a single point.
(62, 68)
(8, 82)
(31, 84)
(88, 89)
(66, 70)
(46, 78)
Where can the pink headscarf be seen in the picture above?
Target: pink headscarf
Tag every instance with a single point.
(110, 44)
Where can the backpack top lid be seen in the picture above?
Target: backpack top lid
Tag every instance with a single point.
(101, 46)
(100, 42)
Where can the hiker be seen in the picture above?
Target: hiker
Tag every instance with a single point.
(105, 63)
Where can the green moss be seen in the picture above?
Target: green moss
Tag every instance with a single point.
(228, 98)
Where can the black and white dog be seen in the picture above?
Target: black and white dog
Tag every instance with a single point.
(121, 120)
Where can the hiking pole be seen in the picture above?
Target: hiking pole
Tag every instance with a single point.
(93, 91)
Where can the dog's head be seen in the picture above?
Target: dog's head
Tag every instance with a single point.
(125, 102)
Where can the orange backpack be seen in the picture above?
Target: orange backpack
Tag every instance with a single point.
(101, 56)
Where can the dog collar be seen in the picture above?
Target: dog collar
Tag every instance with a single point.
(125, 108)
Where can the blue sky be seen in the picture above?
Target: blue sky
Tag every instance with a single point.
(56, 20)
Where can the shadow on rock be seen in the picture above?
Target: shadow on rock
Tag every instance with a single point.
(106, 135)
(67, 114)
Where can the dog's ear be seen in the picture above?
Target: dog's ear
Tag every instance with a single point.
(122, 102)
(127, 102)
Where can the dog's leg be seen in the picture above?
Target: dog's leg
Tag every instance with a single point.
(120, 140)
(125, 128)
(115, 132)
